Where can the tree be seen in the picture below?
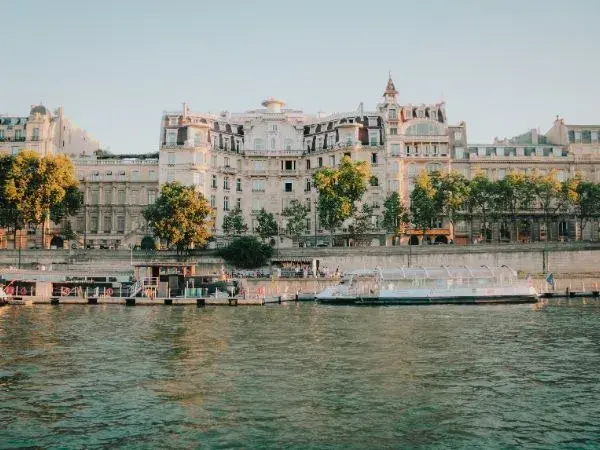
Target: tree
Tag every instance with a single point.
(295, 214)
(361, 225)
(10, 216)
(586, 203)
(148, 243)
(548, 192)
(246, 252)
(423, 204)
(339, 189)
(266, 225)
(233, 223)
(395, 214)
(482, 200)
(181, 216)
(515, 193)
(36, 185)
(451, 194)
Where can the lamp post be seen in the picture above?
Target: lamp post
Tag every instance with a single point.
(316, 204)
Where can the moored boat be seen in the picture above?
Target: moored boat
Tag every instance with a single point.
(4, 298)
(431, 285)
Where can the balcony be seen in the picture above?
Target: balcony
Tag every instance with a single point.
(227, 169)
(258, 189)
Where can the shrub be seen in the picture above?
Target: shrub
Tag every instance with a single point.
(148, 243)
(246, 252)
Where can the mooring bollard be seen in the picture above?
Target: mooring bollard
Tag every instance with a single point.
(92, 301)
(200, 302)
(168, 301)
(233, 302)
(130, 301)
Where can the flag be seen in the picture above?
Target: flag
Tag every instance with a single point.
(550, 280)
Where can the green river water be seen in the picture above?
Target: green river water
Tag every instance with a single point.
(300, 376)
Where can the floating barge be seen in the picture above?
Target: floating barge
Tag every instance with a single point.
(431, 285)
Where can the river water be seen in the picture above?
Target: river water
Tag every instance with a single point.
(300, 376)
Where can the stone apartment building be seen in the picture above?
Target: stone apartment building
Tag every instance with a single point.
(265, 158)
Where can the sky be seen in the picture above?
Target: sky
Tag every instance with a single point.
(503, 67)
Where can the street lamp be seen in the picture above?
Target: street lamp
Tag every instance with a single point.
(316, 203)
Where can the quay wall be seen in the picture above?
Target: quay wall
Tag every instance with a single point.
(567, 258)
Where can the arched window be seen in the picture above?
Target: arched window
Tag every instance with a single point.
(259, 144)
(425, 129)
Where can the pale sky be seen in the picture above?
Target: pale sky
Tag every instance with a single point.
(502, 66)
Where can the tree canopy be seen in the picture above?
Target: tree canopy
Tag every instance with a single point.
(34, 188)
(181, 216)
(266, 226)
(295, 215)
(233, 223)
(246, 252)
(395, 214)
(339, 191)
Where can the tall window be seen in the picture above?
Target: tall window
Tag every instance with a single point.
(288, 144)
(226, 183)
(393, 114)
(171, 158)
(225, 203)
(238, 203)
(395, 149)
(307, 186)
(171, 137)
(214, 181)
(259, 144)
(107, 196)
(373, 158)
(120, 224)
(95, 197)
(308, 164)
(36, 134)
(288, 186)
(121, 196)
(213, 201)
(135, 175)
(107, 224)
(238, 185)
(151, 197)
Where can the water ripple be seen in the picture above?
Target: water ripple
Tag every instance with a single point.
(300, 376)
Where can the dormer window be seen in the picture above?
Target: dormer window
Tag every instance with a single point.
(172, 121)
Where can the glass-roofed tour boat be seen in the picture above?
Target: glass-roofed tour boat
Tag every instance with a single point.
(431, 285)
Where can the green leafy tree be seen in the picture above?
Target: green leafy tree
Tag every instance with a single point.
(548, 192)
(451, 194)
(37, 185)
(361, 225)
(266, 226)
(181, 216)
(233, 223)
(148, 243)
(11, 216)
(395, 215)
(246, 252)
(586, 203)
(423, 204)
(516, 194)
(339, 190)
(482, 200)
(295, 214)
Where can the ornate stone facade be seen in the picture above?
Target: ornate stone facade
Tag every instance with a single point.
(265, 158)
